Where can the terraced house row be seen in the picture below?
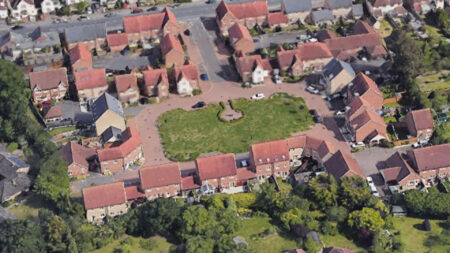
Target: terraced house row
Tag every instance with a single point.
(219, 174)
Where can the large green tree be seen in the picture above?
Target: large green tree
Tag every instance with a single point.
(365, 219)
(323, 191)
(408, 59)
(354, 192)
(20, 236)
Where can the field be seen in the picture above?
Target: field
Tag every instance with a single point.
(161, 245)
(186, 134)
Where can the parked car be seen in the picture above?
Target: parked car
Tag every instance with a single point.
(17, 27)
(153, 8)
(276, 79)
(312, 90)
(373, 188)
(83, 17)
(334, 96)
(317, 119)
(204, 77)
(109, 14)
(340, 112)
(416, 145)
(313, 112)
(137, 10)
(258, 96)
(358, 145)
(369, 180)
(199, 105)
(187, 32)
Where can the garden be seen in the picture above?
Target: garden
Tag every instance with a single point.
(187, 134)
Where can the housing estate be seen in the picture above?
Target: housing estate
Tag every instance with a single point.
(92, 35)
(117, 41)
(336, 75)
(240, 39)
(172, 51)
(80, 58)
(185, 78)
(160, 181)
(156, 82)
(101, 201)
(48, 6)
(22, 10)
(49, 84)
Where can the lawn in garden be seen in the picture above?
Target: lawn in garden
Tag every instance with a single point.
(28, 209)
(160, 245)
(187, 134)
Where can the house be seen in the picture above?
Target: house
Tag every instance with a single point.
(144, 28)
(398, 174)
(186, 78)
(253, 68)
(107, 111)
(361, 27)
(90, 84)
(71, 2)
(49, 84)
(127, 88)
(248, 14)
(357, 106)
(172, 51)
(240, 39)
(78, 158)
(53, 114)
(110, 135)
(289, 61)
(368, 127)
(117, 41)
(321, 17)
(325, 34)
(22, 10)
(160, 181)
(337, 75)
(122, 154)
(277, 19)
(217, 171)
(156, 83)
(364, 87)
(36, 48)
(420, 124)
(382, 7)
(341, 165)
(14, 177)
(424, 6)
(339, 8)
(3, 9)
(48, 6)
(101, 201)
(92, 35)
(296, 10)
(80, 58)
(307, 146)
(270, 158)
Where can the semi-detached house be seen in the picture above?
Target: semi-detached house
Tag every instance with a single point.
(49, 84)
(217, 172)
(90, 84)
(160, 181)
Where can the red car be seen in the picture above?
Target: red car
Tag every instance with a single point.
(137, 11)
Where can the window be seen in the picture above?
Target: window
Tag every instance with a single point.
(268, 168)
(411, 182)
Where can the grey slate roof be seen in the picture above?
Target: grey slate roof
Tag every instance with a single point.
(294, 6)
(36, 39)
(104, 103)
(111, 133)
(322, 15)
(13, 176)
(335, 66)
(357, 10)
(85, 32)
(337, 4)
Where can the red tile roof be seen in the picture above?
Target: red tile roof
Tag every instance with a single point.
(298, 141)
(153, 77)
(90, 79)
(159, 175)
(366, 123)
(125, 82)
(342, 164)
(238, 32)
(132, 192)
(244, 174)
(104, 195)
(117, 39)
(248, 63)
(420, 119)
(336, 45)
(269, 152)
(377, 50)
(188, 71)
(80, 52)
(358, 104)
(130, 143)
(313, 51)
(53, 112)
(322, 147)
(277, 18)
(49, 79)
(136, 24)
(188, 183)
(73, 152)
(243, 10)
(382, 3)
(216, 166)
(169, 43)
(398, 168)
(286, 58)
(362, 27)
(368, 90)
(432, 157)
(325, 34)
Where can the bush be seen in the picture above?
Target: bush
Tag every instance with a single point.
(244, 200)
(428, 205)
(196, 92)
(148, 244)
(13, 146)
(386, 144)
(329, 228)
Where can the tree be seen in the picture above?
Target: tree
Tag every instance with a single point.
(267, 198)
(199, 244)
(383, 242)
(337, 213)
(323, 191)
(197, 221)
(428, 205)
(406, 50)
(21, 236)
(81, 6)
(59, 236)
(354, 192)
(367, 219)
(310, 246)
(438, 18)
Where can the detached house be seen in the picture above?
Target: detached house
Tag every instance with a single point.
(90, 84)
(156, 83)
(78, 158)
(92, 35)
(107, 112)
(248, 14)
(240, 39)
(253, 68)
(306, 146)
(80, 58)
(382, 7)
(160, 181)
(343, 165)
(420, 124)
(143, 28)
(122, 154)
(270, 158)
(22, 10)
(127, 88)
(424, 6)
(364, 87)
(186, 78)
(217, 172)
(172, 51)
(101, 201)
(337, 75)
(49, 84)
(296, 10)
(3, 9)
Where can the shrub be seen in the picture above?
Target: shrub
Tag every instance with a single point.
(13, 146)
(329, 228)
(244, 200)
(196, 92)
(148, 244)
(386, 144)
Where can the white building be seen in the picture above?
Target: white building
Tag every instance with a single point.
(48, 6)
(3, 10)
(23, 9)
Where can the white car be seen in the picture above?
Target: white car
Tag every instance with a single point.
(340, 112)
(258, 96)
(374, 190)
(358, 145)
(369, 180)
(312, 90)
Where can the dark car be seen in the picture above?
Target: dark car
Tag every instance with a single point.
(17, 27)
(187, 32)
(198, 105)
(317, 119)
(313, 112)
(154, 8)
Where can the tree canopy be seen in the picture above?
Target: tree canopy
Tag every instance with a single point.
(408, 59)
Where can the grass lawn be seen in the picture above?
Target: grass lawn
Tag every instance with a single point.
(29, 209)
(270, 244)
(161, 245)
(434, 82)
(385, 29)
(413, 238)
(60, 130)
(390, 119)
(186, 134)
(393, 105)
(31, 115)
(340, 240)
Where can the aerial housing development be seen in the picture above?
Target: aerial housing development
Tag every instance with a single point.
(225, 126)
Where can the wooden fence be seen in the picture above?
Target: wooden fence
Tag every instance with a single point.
(405, 141)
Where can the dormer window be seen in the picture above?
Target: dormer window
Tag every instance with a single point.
(268, 159)
(276, 159)
(283, 157)
(260, 160)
